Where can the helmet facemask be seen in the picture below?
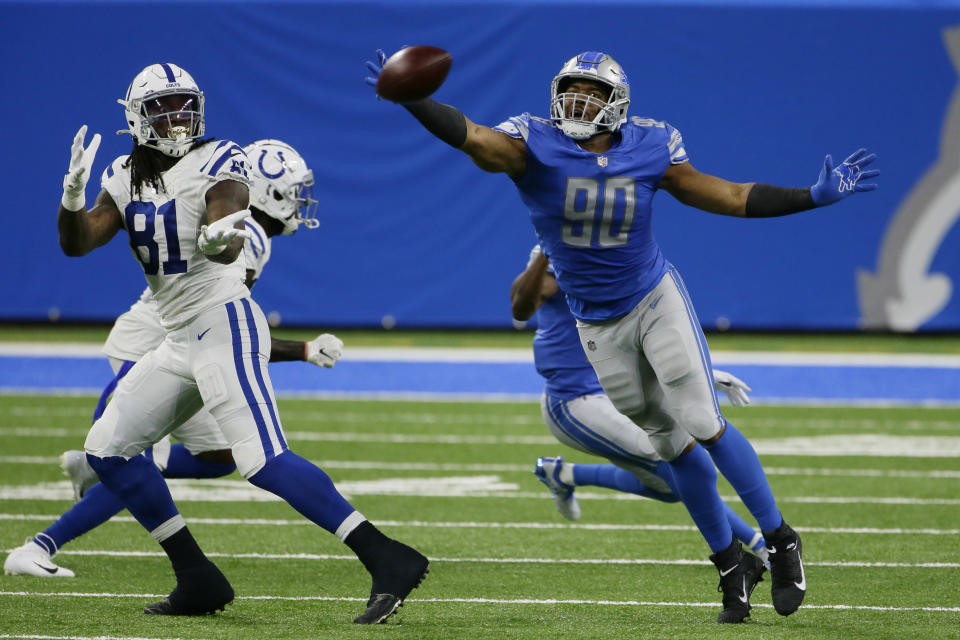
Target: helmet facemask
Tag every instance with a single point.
(164, 109)
(297, 199)
(579, 115)
(281, 185)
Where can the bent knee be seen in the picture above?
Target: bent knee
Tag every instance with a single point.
(701, 422)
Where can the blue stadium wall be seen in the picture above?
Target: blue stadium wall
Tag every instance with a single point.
(413, 231)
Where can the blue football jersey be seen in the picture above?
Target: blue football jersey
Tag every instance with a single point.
(592, 211)
(557, 352)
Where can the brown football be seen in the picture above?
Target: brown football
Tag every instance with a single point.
(413, 73)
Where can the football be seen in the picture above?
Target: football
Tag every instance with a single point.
(413, 73)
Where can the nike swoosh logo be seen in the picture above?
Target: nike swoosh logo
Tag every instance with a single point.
(802, 585)
(47, 569)
(200, 335)
(723, 573)
(743, 598)
(654, 304)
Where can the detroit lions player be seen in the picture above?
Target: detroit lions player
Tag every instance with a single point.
(588, 175)
(282, 203)
(581, 416)
(181, 200)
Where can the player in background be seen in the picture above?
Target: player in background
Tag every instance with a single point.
(580, 415)
(588, 175)
(182, 201)
(281, 203)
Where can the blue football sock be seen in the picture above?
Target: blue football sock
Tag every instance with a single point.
(305, 487)
(739, 464)
(696, 481)
(743, 531)
(96, 507)
(613, 477)
(138, 485)
(183, 464)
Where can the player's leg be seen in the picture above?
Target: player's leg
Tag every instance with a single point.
(150, 401)
(632, 384)
(677, 350)
(230, 367)
(202, 451)
(591, 424)
(34, 557)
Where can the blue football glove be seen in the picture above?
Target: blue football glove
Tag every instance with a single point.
(836, 184)
(375, 68)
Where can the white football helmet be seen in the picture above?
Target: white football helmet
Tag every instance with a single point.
(599, 67)
(164, 109)
(281, 185)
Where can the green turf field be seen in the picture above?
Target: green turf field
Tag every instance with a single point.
(880, 532)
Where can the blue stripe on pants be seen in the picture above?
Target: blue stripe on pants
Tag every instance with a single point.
(258, 371)
(244, 383)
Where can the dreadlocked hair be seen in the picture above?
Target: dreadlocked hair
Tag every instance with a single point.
(146, 167)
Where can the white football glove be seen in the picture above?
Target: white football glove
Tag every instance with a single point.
(324, 350)
(215, 237)
(81, 160)
(735, 388)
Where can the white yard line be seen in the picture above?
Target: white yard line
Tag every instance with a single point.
(506, 525)
(498, 601)
(482, 486)
(485, 560)
(824, 445)
(527, 468)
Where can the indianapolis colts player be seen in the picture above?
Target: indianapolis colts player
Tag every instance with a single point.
(281, 203)
(588, 175)
(580, 415)
(182, 201)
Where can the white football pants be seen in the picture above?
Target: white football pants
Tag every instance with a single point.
(654, 365)
(218, 362)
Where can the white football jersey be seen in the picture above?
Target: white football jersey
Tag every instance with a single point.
(138, 331)
(163, 228)
(256, 249)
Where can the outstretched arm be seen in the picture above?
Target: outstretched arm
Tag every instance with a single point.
(491, 151)
(755, 200)
(532, 287)
(82, 231)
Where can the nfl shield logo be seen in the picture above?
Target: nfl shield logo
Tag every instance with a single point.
(591, 345)
(602, 161)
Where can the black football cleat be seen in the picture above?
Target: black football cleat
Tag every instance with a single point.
(739, 574)
(789, 582)
(399, 571)
(200, 591)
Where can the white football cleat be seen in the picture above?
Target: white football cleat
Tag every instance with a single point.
(548, 472)
(75, 466)
(33, 560)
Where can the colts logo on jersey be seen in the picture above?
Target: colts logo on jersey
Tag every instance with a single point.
(237, 166)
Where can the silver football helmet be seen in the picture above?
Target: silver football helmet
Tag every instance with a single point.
(164, 109)
(569, 110)
(281, 185)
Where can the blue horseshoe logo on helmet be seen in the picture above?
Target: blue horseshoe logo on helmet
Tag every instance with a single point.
(267, 175)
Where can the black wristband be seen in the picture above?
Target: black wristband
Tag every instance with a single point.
(768, 201)
(442, 120)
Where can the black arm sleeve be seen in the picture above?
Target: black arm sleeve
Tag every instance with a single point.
(767, 201)
(442, 120)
